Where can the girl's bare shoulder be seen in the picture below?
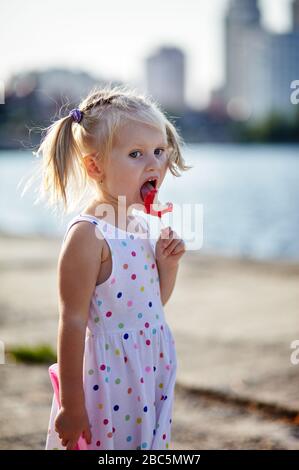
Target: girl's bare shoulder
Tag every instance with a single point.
(81, 253)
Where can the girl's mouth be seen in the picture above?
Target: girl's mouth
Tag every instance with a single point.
(147, 188)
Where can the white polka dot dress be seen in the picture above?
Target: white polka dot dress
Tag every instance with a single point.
(130, 363)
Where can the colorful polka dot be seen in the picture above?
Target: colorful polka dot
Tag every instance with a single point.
(130, 348)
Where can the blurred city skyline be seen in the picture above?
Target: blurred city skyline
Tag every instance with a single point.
(125, 39)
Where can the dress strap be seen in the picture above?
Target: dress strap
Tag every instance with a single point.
(79, 218)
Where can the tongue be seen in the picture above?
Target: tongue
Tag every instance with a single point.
(145, 189)
(148, 193)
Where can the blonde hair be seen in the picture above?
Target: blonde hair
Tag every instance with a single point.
(65, 141)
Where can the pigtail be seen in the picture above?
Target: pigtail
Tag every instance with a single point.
(175, 141)
(60, 155)
(62, 176)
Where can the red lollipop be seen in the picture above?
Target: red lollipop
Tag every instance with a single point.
(148, 193)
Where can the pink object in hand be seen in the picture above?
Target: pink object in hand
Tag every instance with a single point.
(148, 198)
(53, 372)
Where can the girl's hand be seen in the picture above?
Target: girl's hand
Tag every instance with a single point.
(70, 425)
(169, 248)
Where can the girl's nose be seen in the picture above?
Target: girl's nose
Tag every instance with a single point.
(153, 161)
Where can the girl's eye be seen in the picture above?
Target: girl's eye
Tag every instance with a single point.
(136, 151)
(162, 151)
(131, 154)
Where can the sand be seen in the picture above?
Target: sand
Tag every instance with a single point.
(233, 321)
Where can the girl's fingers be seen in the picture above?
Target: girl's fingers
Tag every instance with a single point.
(171, 247)
(71, 445)
(169, 236)
(180, 247)
(87, 435)
(166, 233)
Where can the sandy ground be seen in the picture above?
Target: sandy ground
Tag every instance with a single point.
(233, 322)
(198, 422)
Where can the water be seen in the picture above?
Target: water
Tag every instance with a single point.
(249, 193)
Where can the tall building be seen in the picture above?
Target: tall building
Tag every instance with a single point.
(295, 14)
(165, 77)
(260, 65)
(242, 27)
(283, 58)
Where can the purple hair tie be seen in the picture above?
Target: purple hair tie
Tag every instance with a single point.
(76, 114)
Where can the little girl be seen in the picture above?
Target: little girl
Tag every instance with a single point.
(116, 354)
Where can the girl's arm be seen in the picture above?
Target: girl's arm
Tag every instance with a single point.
(167, 277)
(78, 269)
(169, 250)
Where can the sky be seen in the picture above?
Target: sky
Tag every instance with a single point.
(111, 39)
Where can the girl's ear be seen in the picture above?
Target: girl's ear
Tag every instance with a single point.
(93, 167)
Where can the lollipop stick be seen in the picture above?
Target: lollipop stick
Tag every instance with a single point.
(161, 222)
